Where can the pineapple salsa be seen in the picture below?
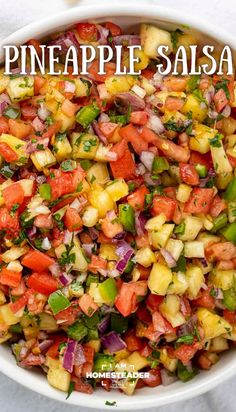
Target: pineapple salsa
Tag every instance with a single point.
(118, 217)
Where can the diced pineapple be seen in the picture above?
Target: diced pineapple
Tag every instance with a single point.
(183, 193)
(95, 293)
(160, 238)
(220, 160)
(195, 280)
(27, 185)
(152, 37)
(193, 225)
(80, 263)
(61, 147)
(5, 337)
(194, 106)
(186, 40)
(137, 361)
(47, 322)
(7, 316)
(159, 279)
(175, 248)
(179, 284)
(121, 354)
(66, 121)
(119, 84)
(102, 153)
(155, 223)
(98, 173)
(58, 377)
(20, 88)
(117, 189)
(170, 309)
(212, 324)
(231, 334)
(206, 238)
(169, 363)
(90, 216)
(145, 256)
(84, 145)
(108, 251)
(101, 200)
(223, 279)
(14, 253)
(4, 80)
(94, 344)
(147, 86)
(82, 87)
(223, 179)
(218, 344)
(18, 145)
(194, 249)
(43, 159)
(200, 141)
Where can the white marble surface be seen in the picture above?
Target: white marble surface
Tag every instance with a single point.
(15, 14)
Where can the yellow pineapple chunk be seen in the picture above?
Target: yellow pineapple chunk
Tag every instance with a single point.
(212, 324)
(159, 279)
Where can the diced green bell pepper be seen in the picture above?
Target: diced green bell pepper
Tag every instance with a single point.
(201, 170)
(92, 278)
(219, 222)
(185, 374)
(92, 321)
(229, 232)
(229, 299)
(45, 191)
(16, 328)
(127, 218)
(87, 115)
(159, 165)
(11, 112)
(103, 363)
(230, 193)
(77, 331)
(108, 290)
(92, 334)
(119, 324)
(85, 164)
(58, 302)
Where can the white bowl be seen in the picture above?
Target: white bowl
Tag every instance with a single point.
(128, 16)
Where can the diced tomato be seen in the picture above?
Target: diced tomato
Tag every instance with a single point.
(87, 31)
(53, 351)
(109, 69)
(10, 277)
(139, 118)
(186, 352)
(153, 379)
(173, 103)
(230, 316)
(19, 128)
(37, 261)
(143, 314)
(200, 201)
(133, 342)
(225, 265)
(52, 129)
(153, 301)
(205, 300)
(217, 206)
(44, 221)
(124, 167)
(97, 263)
(160, 324)
(9, 222)
(126, 300)
(114, 29)
(39, 82)
(8, 153)
(204, 362)
(68, 316)
(220, 251)
(68, 108)
(144, 272)
(72, 220)
(220, 100)
(42, 283)
(87, 304)
(28, 112)
(185, 307)
(120, 148)
(189, 174)
(201, 159)
(81, 385)
(163, 204)
(142, 241)
(19, 303)
(108, 128)
(65, 182)
(13, 195)
(19, 290)
(175, 83)
(88, 353)
(137, 198)
(4, 128)
(131, 135)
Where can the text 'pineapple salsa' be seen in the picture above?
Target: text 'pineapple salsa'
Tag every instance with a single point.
(118, 218)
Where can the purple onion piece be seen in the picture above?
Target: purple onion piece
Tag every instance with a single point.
(122, 248)
(98, 132)
(166, 378)
(104, 324)
(79, 358)
(65, 41)
(31, 232)
(69, 355)
(113, 342)
(171, 262)
(93, 233)
(126, 100)
(188, 327)
(88, 248)
(140, 221)
(122, 263)
(127, 40)
(45, 345)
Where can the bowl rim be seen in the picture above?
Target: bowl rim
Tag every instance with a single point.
(65, 18)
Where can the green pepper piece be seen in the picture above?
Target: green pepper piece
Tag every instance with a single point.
(92, 321)
(87, 115)
(181, 264)
(92, 334)
(6, 171)
(229, 232)
(58, 302)
(11, 112)
(92, 278)
(126, 216)
(219, 222)
(159, 164)
(184, 374)
(103, 363)
(16, 328)
(119, 324)
(230, 193)
(201, 170)
(85, 164)
(129, 267)
(77, 331)
(108, 290)
(229, 299)
(120, 119)
(45, 191)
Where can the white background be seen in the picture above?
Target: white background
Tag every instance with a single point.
(17, 13)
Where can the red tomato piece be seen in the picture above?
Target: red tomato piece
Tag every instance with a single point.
(186, 352)
(87, 31)
(139, 118)
(124, 167)
(153, 301)
(19, 303)
(97, 263)
(8, 222)
(154, 378)
(217, 206)
(42, 283)
(28, 112)
(4, 128)
(87, 304)
(205, 300)
(72, 220)
(13, 195)
(37, 261)
(163, 204)
(200, 201)
(113, 28)
(130, 134)
(137, 198)
(10, 277)
(220, 100)
(126, 300)
(133, 342)
(8, 153)
(189, 174)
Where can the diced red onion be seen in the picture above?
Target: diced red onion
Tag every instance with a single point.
(171, 262)
(150, 182)
(98, 132)
(103, 118)
(113, 273)
(31, 232)
(43, 112)
(140, 169)
(68, 236)
(65, 279)
(104, 324)
(212, 114)
(45, 345)
(147, 159)
(69, 355)
(76, 205)
(41, 179)
(3, 106)
(103, 35)
(88, 248)
(122, 248)
(127, 40)
(46, 245)
(65, 41)
(106, 309)
(126, 100)
(204, 286)
(166, 378)
(38, 124)
(140, 221)
(55, 269)
(113, 342)
(4, 102)
(33, 147)
(33, 360)
(93, 233)
(203, 105)
(69, 87)
(227, 111)
(79, 358)
(154, 123)
(118, 237)
(188, 327)
(122, 263)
